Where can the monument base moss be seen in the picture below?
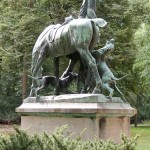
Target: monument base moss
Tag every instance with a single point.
(92, 114)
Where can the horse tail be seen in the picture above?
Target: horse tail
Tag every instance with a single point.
(95, 36)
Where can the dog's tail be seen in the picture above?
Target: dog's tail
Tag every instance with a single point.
(117, 79)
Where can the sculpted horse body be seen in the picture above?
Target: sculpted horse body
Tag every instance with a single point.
(79, 35)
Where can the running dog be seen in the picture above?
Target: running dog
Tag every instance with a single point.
(64, 83)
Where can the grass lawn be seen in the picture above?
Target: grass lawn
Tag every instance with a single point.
(144, 139)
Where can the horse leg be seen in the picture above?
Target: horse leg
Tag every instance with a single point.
(36, 72)
(87, 80)
(70, 68)
(81, 76)
(56, 74)
(32, 88)
(34, 61)
(85, 54)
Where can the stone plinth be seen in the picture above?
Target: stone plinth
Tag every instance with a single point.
(93, 113)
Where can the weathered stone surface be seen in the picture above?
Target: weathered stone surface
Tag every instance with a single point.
(112, 128)
(69, 98)
(76, 105)
(99, 116)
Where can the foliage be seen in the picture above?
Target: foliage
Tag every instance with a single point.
(16, 42)
(57, 141)
(141, 63)
(22, 21)
(119, 19)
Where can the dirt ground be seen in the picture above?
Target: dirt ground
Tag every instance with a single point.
(6, 129)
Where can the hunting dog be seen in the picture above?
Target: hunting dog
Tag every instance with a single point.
(64, 83)
(107, 77)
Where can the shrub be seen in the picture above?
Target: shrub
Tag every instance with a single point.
(56, 141)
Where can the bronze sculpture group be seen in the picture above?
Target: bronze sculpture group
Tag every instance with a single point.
(75, 37)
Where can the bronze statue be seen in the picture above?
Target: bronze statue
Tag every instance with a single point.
(87, 10)
(64, 83)
(79, 35)
(76, 39)
(107, 77)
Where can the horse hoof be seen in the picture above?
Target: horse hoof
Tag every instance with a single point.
(96, 91)
(124, 100)
(109, 98)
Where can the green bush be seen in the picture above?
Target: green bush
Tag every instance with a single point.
(56, 141)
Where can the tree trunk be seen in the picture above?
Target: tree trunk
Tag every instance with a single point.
(136, 120)
(31, 3)
(24, 84)
(137, 106)
(24, 79)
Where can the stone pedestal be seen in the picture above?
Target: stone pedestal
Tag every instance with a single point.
(93, 114)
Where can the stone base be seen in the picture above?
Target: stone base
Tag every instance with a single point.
(92, 114)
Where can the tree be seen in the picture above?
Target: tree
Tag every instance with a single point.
(142, 61)
(141, 11)
(21, 23)
(119, 18)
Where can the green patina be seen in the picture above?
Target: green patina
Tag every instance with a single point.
(64, 115)
(74, 115)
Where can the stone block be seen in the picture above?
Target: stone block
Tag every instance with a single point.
(92, 114)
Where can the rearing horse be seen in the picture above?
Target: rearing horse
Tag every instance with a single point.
(79, 35)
